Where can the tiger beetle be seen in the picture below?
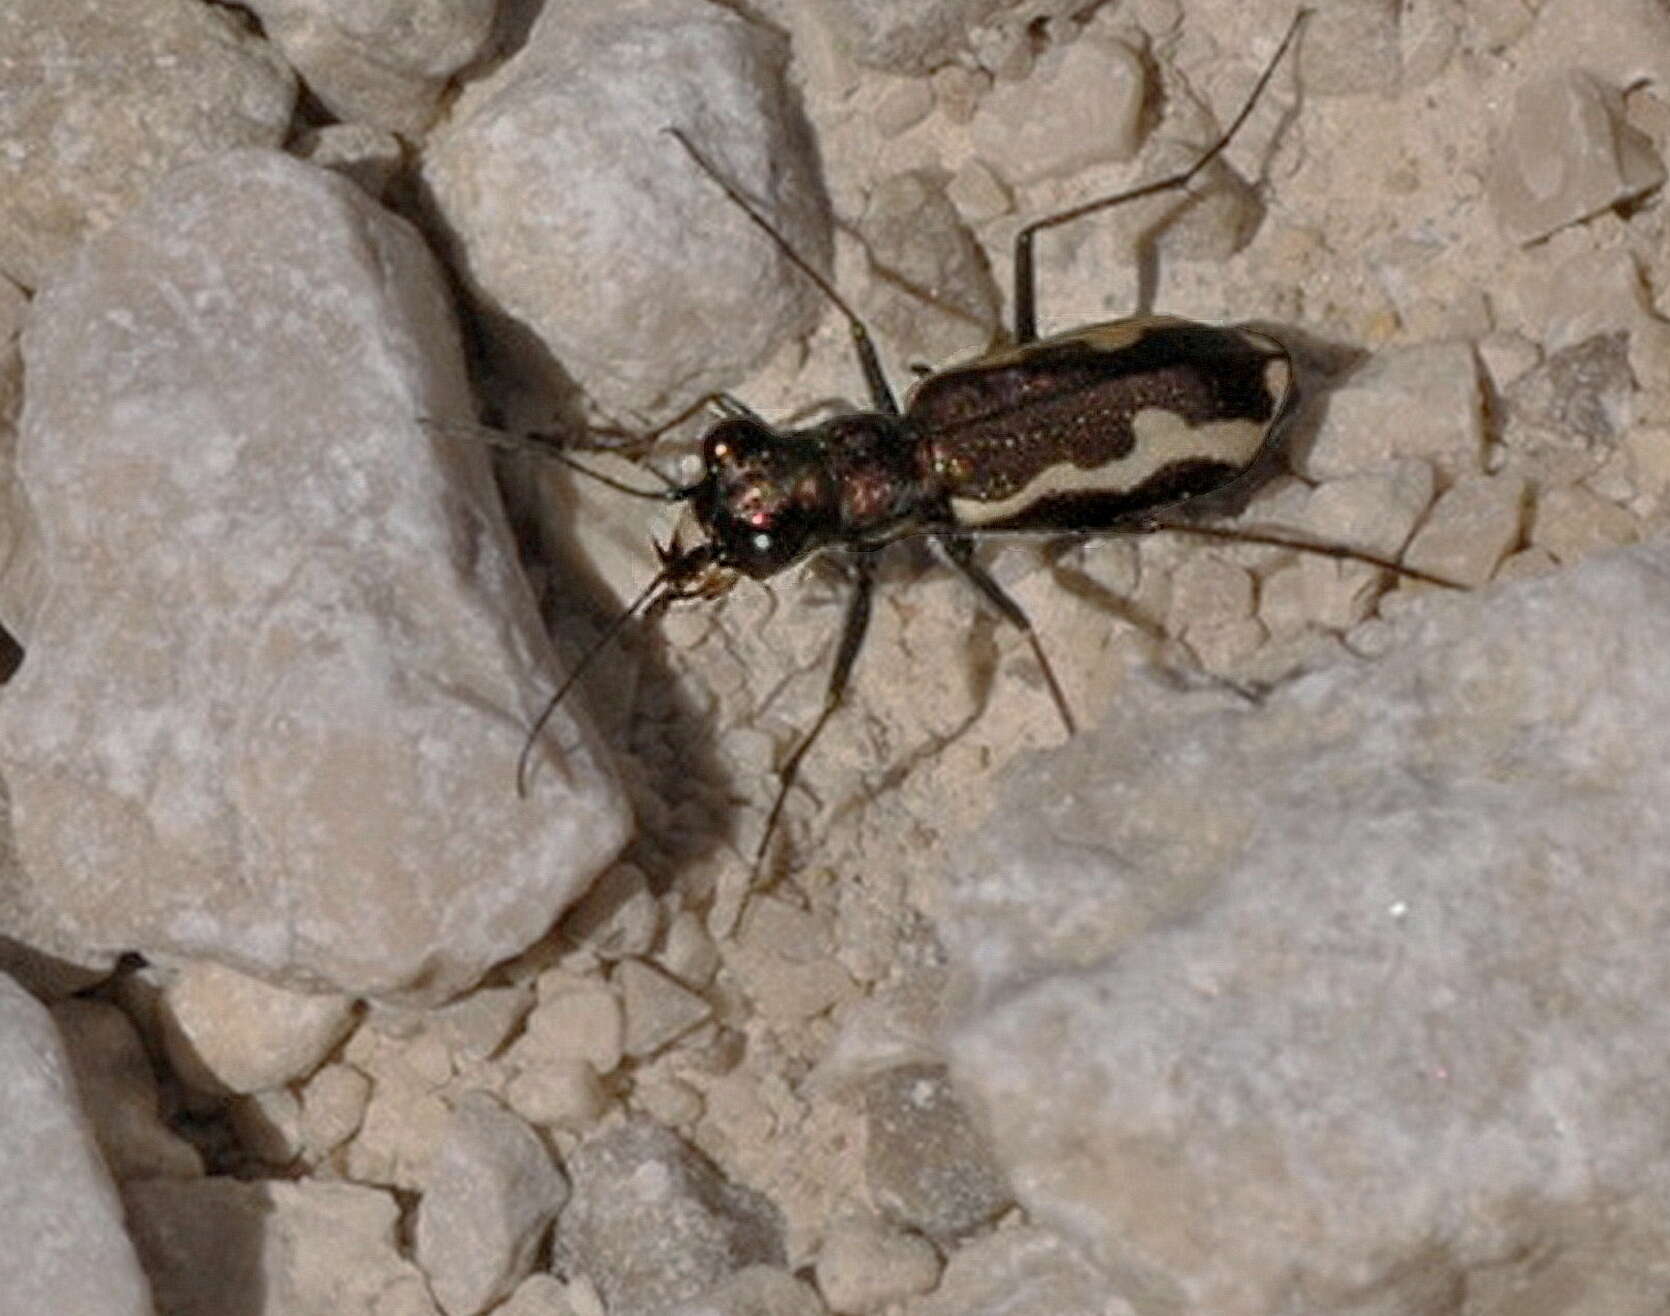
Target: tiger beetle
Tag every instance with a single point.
(1093, 431)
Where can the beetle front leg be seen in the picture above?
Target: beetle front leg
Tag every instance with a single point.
(852, 639)
(959, 552)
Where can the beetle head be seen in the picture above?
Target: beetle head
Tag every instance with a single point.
(764, 500)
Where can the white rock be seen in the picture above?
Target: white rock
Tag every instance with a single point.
(1082, 108)
(688, 951)
(1364, 982)
(118, 1089)
(1351, 49)
(382, 62)
(560, 1093)
(1010, 1271)
(227, 1032)
(653, 1224)
(33, 950)
(618, 917)
(1376, 511)
(755, 1291)
(978, 194)
(576, 1020)
(782, 958)
(1566, 153)
(399, 1133)
(931, 294)
(1572, 523)
(491, 1194)
(864, 1265)
(1472, 526)
(903, 36)
(475, 1026)
(1506, 356)
(904, 105)
(655, 1009)
(220, 1247)
(1421, 401)
(1206, 591)
(1592, 291)
(582, 222)
(667, 1099)
(62, 1248)
(287, 655)
(538, 1295)
(958, 90)
(104, 97)
(333, 1104)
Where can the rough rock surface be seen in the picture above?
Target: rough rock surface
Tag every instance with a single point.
(209, 1016)
(62, 1248)
(926, 1165)
(1016, 1272)
(275, 694)
(635, 273)
(379, 62)
(492, 1194)
(218, 1247)
(652, 1224)
(911, 36)
(104, 97)
(1362, 982)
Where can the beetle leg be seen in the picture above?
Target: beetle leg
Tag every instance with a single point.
(852, 638)
(1026, 307)
(959, 552)
(881, 394)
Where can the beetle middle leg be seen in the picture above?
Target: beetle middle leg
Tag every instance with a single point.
(959, 552)
(852, 639)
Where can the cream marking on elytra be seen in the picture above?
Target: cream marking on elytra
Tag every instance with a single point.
(1162, 438)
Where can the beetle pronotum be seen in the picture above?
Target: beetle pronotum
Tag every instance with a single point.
(1092, 431)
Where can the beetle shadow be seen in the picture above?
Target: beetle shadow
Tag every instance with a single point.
(578, 606)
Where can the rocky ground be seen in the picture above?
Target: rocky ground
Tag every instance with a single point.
(1320, 972)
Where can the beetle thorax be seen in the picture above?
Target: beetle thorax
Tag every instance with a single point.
(873, 473)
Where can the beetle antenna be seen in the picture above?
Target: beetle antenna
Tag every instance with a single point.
(647, 600)
(880, 391)
(746, 206)
(545, 448)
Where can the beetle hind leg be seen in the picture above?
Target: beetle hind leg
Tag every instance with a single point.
(959, 552)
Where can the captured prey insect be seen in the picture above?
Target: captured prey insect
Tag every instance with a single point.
(1093, 431)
